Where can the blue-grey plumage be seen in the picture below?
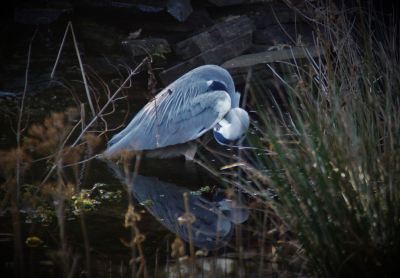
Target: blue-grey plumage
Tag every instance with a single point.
(182, 112)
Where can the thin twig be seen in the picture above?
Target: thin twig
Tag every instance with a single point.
(108, 103)
(96, 117)
(189, 218)
(80, 64)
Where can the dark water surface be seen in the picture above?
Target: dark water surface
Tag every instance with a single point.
(159, 185)
(98, 236)
(89, 233)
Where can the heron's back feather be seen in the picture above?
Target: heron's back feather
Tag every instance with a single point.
(183, 111)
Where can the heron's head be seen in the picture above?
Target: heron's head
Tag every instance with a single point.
(232, 128)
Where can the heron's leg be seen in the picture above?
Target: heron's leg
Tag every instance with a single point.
(190, 151)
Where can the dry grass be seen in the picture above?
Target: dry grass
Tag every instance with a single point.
(336, 168)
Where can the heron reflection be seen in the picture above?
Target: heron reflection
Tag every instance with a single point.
(212, 224)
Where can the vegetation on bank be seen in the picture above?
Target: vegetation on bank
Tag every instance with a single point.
(335, 137)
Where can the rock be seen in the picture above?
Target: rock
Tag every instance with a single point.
(213, 36)
(108, 67)
(145, 47)
(156, 24)
(216, 45)
(258, 63)
(193, 46)
(36, 12)
(170, 75)
(7, 94)
(216, 56)
(269, 14)
(284, 34)
(268, 8)
(221, 3)
(180, 9)
(227, 50)
(248, 60)
(140, 5)
(258, 48)
(38, 16)
(98, 39)
(265, 14)
(262, 21)
(197, 20)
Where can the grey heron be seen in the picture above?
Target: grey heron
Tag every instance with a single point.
(168, 126)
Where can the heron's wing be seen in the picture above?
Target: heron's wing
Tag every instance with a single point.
(193, 119)
(180, 113)
(164, 106)
(179, 93)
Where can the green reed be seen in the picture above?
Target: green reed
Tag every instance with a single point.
(336, 138)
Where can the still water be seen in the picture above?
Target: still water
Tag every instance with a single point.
(147, 218)
(137, 223)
